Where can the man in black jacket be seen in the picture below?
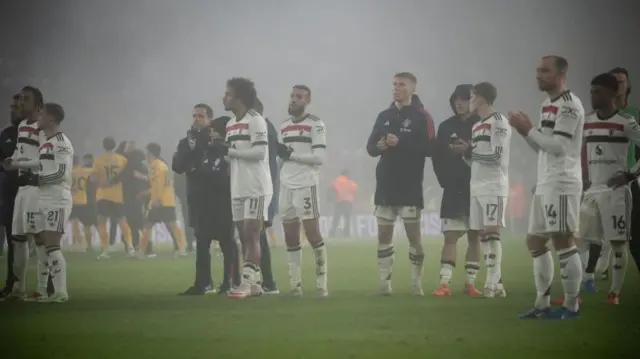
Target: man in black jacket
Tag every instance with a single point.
(8, 143)
(402, 136)
(208, 199)
(454, 176)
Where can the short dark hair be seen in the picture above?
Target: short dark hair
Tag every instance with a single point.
(206, 108)
(244, 90)
(625, 72)
(154, 149)
(303, 88)
(562, 65)
(37, 95)
(487, 91)
(258, 106)
(606, 80)
(54, 110)
(109, 143)
(407, 75)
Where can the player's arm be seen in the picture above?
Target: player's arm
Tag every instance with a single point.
(632, 131)
(500, 139)
(258, 132)
(568, 120)
(439, 158)
(157, 183)
(62, 156)
(374, 137)
(318, 146)
(25, 164)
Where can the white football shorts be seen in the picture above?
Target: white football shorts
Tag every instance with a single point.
(52, 219)
(606, 215)
(298, 204)
(390, 214)
(455, 224)
(25, 211)
(554, 214)
(487, 211)
(250, 208)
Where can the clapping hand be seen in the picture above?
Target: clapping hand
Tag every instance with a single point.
(520, 122)
(382, 144)
(392, 140)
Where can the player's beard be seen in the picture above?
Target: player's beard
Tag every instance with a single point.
(296, 111)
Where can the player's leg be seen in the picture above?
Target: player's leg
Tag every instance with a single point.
(493, 221)
(254, 215)
(306, 201)
(291, 227)
(452, 232)
(76, 233)
(147, 231)
(563, 219)
(472, 263)
(411, 218)
(386, 217)
(125, 229)
(617, 203)
(24, 225)
(168, 217)
(590, 239)
(634, 244)
(102, 208)
(54, 222)
(543, 267)
(88, 221)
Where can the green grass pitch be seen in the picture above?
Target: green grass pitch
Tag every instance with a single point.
(126, 308)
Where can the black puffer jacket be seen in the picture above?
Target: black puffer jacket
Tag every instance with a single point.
(400, 170)
(454, 175)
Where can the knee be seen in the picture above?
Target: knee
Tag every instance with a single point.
(536, 243)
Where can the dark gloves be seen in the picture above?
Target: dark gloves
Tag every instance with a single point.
(620, 179)
(284, 151)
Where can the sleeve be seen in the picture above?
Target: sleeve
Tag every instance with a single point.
(374, 137)
(439, 158)
(500, 138)
(632, 131)
(62, 155)
(318, 145)
(424, 142)
(569, 118)
(183, 159)
(259, 134)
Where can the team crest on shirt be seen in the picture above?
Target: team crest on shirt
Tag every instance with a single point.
(406, 125)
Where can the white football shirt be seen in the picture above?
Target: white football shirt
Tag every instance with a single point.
(27, 149)
(249, 156)
(606, 142)
(56, 161)
(307, 140)
(490, 141)
(558, 139)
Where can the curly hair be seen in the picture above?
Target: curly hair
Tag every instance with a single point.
(244, 90)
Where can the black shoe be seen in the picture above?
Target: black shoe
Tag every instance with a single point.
(224, 289)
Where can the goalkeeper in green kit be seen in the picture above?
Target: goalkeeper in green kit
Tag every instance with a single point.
(597, 253)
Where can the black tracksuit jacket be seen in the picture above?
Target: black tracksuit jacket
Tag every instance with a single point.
(400, 170)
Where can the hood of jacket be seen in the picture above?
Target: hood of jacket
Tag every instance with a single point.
(462, 91)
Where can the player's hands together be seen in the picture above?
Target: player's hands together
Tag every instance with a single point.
(459, 147)
(382, 144)
(284, 151)
(620, 179)
(392, 140)
(520, 122)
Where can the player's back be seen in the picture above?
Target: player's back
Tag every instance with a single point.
(490, 173)
(249, 178)
(561, 174)
(160, 184)
(107, 168)
(56, 163)
(606, 145)
(302, 137)
(80, 178)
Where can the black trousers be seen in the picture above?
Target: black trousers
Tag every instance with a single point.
(343, 209)
(231, 262)
(10, 278)
(634, 245)
(265, 262)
